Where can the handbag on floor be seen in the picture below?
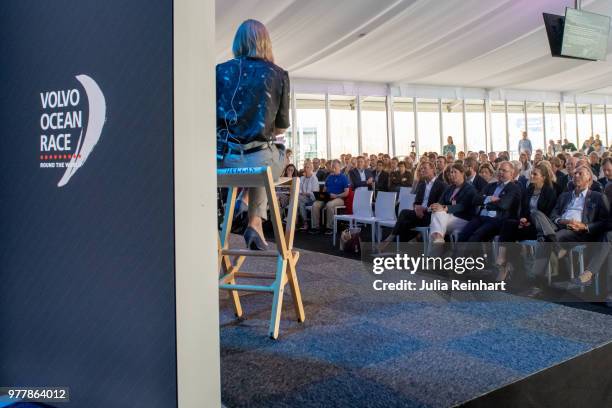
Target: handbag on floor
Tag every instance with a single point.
(350, 240)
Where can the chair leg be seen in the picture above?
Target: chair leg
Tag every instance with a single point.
(549, 273)
(335, 229)
(373, 236)
(277, 302)
(581, 266)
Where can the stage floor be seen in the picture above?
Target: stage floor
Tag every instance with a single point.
(359, 347)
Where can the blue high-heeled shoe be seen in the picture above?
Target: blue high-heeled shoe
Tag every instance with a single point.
(253, 240)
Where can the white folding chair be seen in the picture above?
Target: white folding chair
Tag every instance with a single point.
(406, 202)
(406, 199)
(384, 210)
(362, 209)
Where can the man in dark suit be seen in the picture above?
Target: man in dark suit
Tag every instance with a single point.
(601, 260)
(606, 165)
(429, 190)
(361, 176)
(498, 201)
(581, 215)
(381, 177)
(572, 164)
(471, 174)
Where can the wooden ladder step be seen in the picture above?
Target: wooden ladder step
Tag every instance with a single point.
(249, 252)
(248, 288)
(255, 275)
(249, 275)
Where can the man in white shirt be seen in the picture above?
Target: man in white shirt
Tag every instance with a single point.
(308, 185)
(428, 191)
(361, 176)
(579, 216)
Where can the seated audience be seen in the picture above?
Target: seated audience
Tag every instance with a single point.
(308, 185)
(337, 185)
(283, 194)
(400, 178)
(455, 208)
(594, 162)
(499, 201)
(361, 176)
(381, 177)
(472, 175)
(540, 196)
(487, 173)
(606, 166)
(581, 215)
(572, 164)
(568, 146)
(598, 147)
(429, 190)
(520, 179)
(601, 261)
(440, 163)
(525, 166)
(318, 168)
(492, 156)
(560, 176)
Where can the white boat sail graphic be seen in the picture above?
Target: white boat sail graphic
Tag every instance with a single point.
(95, 123)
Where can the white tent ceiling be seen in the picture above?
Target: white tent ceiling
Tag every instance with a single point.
(488, 44)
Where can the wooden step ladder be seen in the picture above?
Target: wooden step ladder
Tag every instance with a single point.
(286, 256)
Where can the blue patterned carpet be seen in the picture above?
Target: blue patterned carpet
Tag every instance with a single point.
(361, 348)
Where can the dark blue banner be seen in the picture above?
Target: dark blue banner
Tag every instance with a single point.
(87, 296)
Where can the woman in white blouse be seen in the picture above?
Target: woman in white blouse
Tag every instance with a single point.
(308, 185)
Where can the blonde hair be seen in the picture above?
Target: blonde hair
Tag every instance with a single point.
(253, 40)
(547, 172)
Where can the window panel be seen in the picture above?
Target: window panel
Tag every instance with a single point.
(535, 125)
(374, 125)
(403, 120)
(312, 131)
(475, 126)
(599, 123)
(584, 124)
(553, 122)
(609, 118)
(516, 126)
(429, 125)
(452, 122)
(343, 117)
(498, 126)
(570, 124)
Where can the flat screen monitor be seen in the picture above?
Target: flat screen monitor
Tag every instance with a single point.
(585, 35)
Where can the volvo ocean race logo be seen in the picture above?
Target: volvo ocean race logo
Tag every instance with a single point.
(65, 141)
